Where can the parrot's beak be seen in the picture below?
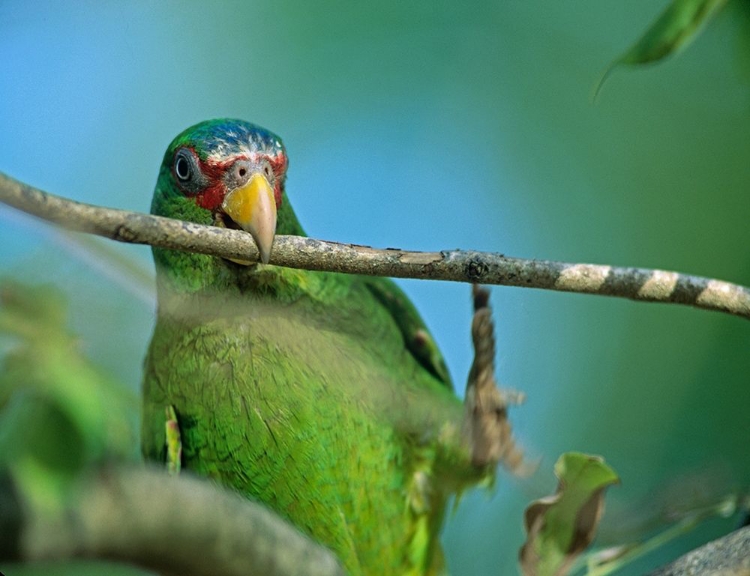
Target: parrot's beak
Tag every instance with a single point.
(253, 208)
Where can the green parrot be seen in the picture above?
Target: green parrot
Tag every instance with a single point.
(321, 395)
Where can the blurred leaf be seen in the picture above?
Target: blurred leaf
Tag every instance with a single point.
(58, 412)
(19, 436)
(675, 28)
(561, 526)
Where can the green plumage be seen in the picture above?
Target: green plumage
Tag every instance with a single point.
(321, 395)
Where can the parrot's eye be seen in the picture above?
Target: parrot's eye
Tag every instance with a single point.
(186, 170)
(183, 166)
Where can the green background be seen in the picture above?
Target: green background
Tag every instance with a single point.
(436, 125)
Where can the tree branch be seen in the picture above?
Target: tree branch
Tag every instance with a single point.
(455, 265)
(181, 525)
(727, 556)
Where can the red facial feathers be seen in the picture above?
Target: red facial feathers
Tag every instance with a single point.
(211, 197)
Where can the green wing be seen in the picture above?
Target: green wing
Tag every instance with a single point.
(417, 338)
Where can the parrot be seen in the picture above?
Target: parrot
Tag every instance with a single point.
(321, 395)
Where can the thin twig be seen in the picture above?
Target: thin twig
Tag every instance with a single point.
(455, 265)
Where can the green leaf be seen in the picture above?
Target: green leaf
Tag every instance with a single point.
(58, 412)
(673, 30)
(559, 527)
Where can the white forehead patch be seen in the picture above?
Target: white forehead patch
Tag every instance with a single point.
(222, 149)
(234, 139)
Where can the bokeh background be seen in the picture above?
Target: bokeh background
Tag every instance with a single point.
(432, 125)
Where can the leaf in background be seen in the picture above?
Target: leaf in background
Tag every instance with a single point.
(674, 29)
(58, 412)
(561, 526)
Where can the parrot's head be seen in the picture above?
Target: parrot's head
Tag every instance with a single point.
(228, 173)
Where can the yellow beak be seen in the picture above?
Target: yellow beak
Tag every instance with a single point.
(253, 208)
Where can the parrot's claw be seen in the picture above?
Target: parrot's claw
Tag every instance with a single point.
(486, 405)
(174, 442)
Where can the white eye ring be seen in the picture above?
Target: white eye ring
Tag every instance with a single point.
(182, 167)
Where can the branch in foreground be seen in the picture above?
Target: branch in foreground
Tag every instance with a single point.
(179, 525)
(455, 265)
(727, 556)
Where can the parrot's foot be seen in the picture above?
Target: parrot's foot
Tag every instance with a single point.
(486, 405)
(174, 442)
